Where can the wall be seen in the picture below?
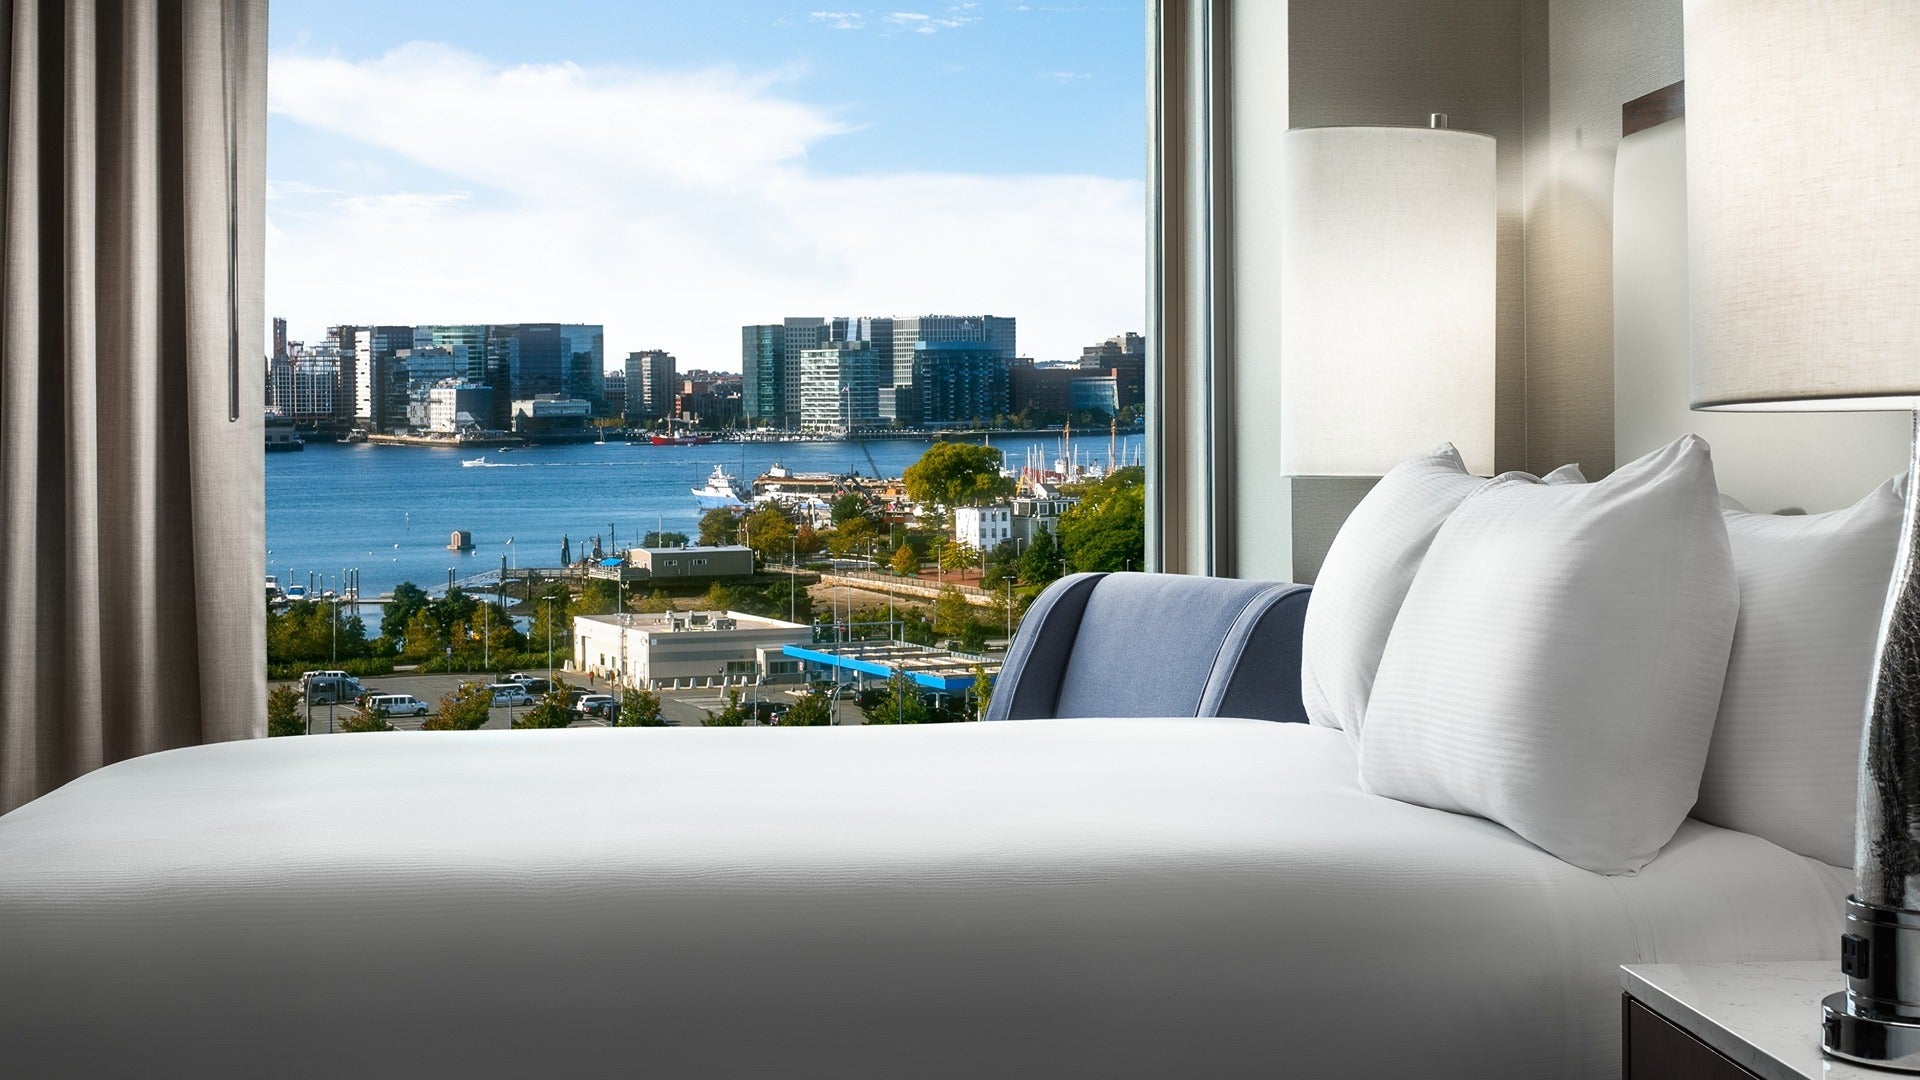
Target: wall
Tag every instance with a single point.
(1585, 59)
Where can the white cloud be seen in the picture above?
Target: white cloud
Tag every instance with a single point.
(671, 206)
(840, 20)
(919, 22)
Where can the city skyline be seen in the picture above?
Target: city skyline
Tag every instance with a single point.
(670, 170)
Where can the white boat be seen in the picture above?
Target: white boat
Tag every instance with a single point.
(472, 462)
(719, 492)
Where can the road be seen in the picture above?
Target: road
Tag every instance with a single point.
(681, 708)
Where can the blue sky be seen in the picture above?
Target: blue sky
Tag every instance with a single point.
(676, 169)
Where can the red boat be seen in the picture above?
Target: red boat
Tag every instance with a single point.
(681, 440)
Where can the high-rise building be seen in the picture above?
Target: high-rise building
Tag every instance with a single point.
(585, 359)
(996, 331)
(652, 381)
(468, 341)
(763, 374)
(613, 390)
(379, 400)
(839, 386)
(1124, 358)
(960, 383)
(799, 335)
(279, 338)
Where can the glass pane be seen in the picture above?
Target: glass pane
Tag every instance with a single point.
(845, 302)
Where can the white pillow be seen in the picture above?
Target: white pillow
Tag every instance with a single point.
(1785, 759)
(1365, 577)
(1557, 664)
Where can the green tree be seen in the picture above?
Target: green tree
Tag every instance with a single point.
(769, 532)
(1107, 529)
(464, 708)
(956, 556)
(718, 526)
(718, 598)
(905, 562)
(855, 535)
(408, 600)
(899, 703)
(366, 720)
(730, 716)
(806, 540)
(658, 539)
(656, 602)
(814, 709)
(424, 638)
(915, 627)
(552, 710)
(598, 597)
(283, 712)
(1040, 563)
(640, 708)
(850, 505)
(981, 691)
(952, 615)
(957, 474)
(555, 615)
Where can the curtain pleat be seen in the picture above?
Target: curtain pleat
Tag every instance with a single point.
(131, 617)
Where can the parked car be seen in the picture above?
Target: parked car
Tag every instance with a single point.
(510, 693)
(601, 705)
(396, 704)
(332, 689)
(534, 684)
(327, 673)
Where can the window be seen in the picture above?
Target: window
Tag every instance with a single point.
(782, 256)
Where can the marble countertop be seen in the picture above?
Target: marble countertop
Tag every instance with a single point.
(1766, 1016)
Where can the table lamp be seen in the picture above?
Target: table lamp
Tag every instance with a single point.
(1803, 193)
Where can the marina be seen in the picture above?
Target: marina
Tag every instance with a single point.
(387, 511)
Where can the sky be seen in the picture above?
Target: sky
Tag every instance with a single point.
(675, 170)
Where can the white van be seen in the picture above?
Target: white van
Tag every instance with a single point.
(328, 689)
(397, 704)
(330, 673)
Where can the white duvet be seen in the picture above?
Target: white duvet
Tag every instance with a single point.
(1115, 898)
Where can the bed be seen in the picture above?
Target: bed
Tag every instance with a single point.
(1113, 897)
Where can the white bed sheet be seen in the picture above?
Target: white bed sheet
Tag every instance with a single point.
(1194, 898)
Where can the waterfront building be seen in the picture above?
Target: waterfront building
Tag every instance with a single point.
(839, 387)
(613, 391)
(683, 649)
(907, 334)
(798, 336)
(718, 561)
(583, 360)
(1043, 392)
(983, 527)
(279, 338)
(763, 374)
(960, 383)
(456, 405)
(1095, 394)
(467, 342)
(380, 399)
(551, 414)
(652, 380)
(302, 388)
(708, 399)
(1124, 357)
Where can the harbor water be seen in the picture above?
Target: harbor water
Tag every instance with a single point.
(387, 511)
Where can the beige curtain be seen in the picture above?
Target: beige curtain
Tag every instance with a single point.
(132, 528)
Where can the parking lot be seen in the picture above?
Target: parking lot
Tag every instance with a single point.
(680, 708)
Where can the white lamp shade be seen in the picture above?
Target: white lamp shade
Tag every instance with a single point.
(1803, 203)
(1387, 298)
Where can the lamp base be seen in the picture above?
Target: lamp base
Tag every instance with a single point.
(1868, 1040)
(1876, 1019)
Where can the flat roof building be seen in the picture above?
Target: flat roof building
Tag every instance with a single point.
(686, 649)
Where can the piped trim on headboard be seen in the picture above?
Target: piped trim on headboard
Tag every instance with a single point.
(1648, 110)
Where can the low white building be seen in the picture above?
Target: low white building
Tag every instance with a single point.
(983, 527)
(685, 649)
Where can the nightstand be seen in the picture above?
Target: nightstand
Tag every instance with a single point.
(1731, 1021)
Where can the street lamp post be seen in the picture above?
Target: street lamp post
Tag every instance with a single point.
(548, 600)
(793, 571)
